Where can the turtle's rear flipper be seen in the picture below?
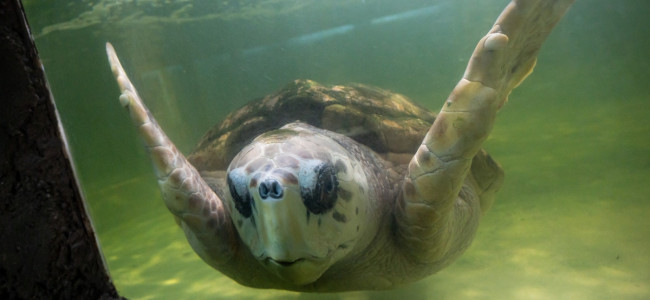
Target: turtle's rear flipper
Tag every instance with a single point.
(439, 212)
(201, 212)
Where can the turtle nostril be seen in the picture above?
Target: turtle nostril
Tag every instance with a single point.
(276, 190)
(271, 188)
(264, 190)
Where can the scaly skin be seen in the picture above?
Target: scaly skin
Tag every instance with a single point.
(197, 208)
(435, 225)
(436, 214)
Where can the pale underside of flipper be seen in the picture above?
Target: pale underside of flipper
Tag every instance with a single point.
(508, 53)
(199, 210)
(435, 224)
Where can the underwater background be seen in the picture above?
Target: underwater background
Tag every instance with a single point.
(572, 220)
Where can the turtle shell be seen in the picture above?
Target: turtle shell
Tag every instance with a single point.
(386, 122)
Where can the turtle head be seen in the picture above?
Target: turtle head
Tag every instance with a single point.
(297, 199)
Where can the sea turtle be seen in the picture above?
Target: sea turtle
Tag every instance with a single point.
(335, 188)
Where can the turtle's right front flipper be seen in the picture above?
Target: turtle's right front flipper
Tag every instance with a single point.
(439, 209)
(201, 213)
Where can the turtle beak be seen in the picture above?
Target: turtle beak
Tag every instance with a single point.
(280, 213)
(300, 272)
(282, 236)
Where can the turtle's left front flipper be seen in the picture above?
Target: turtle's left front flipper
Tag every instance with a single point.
(439, 210)
(201, 213)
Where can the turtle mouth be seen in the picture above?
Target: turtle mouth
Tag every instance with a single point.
(284, 263)
(296, 271)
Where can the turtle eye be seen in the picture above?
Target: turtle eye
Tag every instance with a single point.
(242, 198)
(322, 196)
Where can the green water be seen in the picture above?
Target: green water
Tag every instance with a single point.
(572, 220)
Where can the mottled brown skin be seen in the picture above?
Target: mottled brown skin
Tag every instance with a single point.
(392, 127)
(389, 123)
(427, 186)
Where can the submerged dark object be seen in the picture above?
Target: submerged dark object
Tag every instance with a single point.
(48, 248)
(338, 188)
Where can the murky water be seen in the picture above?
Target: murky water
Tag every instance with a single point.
(572, 220)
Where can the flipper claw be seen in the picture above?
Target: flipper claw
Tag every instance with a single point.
(495, 41)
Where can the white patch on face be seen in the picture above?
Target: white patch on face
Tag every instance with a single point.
(306, 174)
(238, 175)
